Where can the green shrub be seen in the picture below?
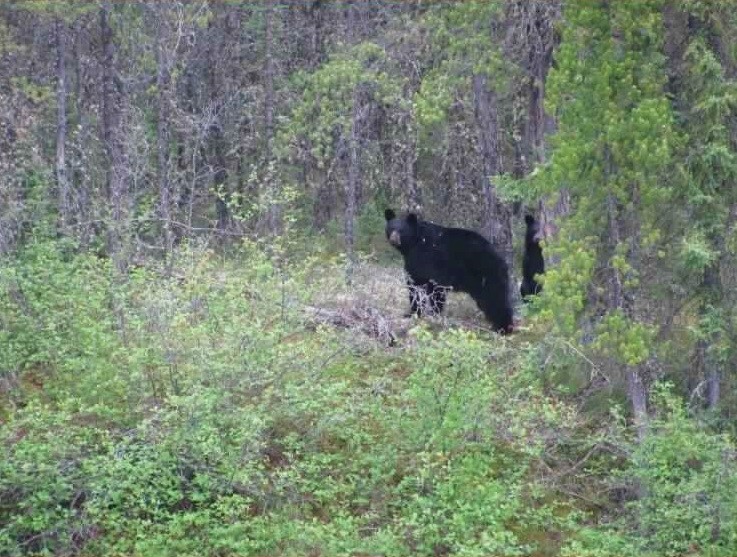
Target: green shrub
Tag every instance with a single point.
(687, 477)
(682, 480)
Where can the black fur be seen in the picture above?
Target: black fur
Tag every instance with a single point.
(533, 263)
(437, 258)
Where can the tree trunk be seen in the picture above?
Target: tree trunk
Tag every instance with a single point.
(414, 198)
(618, 301)
(81, 176)
(352, 184)
(637, 393)
(274, 217)
(163, 100)
(318, 50)
(714, 392)
(220, 180)
(115, 184)
(541, 124)
(498, 224)
(530, 41)
(409, 157)
(218, 146)
(62, 179)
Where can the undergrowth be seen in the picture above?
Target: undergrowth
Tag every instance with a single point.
(204, 411)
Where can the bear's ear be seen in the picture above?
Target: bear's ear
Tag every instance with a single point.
(412, 219)
(389, 214)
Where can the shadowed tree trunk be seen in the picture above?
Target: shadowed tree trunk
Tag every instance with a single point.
(163, 115)
(414, 198)
(619, 301)
(273, 216)
(316, 15)
(716, 292)
(81, 172)
(532, 40)
(62, 179)
(683, 29)
(218, 143)
(498, 226)
(409, 159)
(352, 183)
(351, 188)
(111, 101)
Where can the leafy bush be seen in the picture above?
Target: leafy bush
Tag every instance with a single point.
(683, 483)
(200, 413)
(688, 479)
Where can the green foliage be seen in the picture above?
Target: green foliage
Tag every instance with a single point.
(707, 100)
(67, 10)
(565, 285)
(620, 337)
(55, 319)
(200, 409)
(464, 506)
(710, 160)
(689, 481)
(324, 113)
(198, 415)
(475, 442)
(696, 252)
(463, 45)
(36, 93)
(41, 481)
(613, 153)
(615, 121)
(601, 542)
(685, 479)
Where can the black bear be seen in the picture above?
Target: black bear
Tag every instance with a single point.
(532, 262)
(437, 258)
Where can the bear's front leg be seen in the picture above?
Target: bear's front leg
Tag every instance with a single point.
(425, 297)
(436, 296)
(416, 298)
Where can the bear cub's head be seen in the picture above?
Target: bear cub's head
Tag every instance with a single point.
(402, 232)
(533, 235)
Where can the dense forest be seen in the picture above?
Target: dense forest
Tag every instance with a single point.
(204, 340)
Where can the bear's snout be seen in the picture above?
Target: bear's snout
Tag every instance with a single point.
(394, 238)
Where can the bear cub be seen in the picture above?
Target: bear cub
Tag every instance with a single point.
(437, 258)
(532, 262)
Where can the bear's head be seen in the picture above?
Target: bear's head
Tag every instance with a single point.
(402, 232)
(534, 233)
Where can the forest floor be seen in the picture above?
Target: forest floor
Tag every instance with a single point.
(376, 304)
(233, 406)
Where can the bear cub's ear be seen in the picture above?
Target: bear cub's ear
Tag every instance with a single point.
(389, 214)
